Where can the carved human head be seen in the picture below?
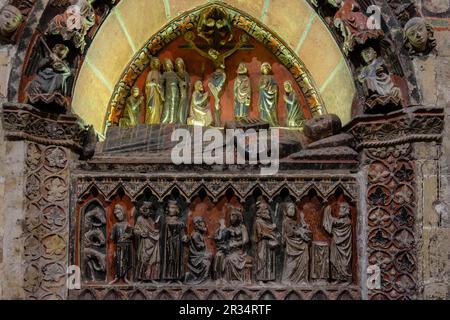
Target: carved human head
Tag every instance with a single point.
(199, 224)
(10, 20)
(288, 86)
(172, 208)
(419, 36)
(119, 212)
(135, 92)
(168, 65)
(369, 55)
(262, 208)
(61, 51)
(266, 68)
(290, 210)
(242, 69)
(199, 86)
(146, 208)
(155, 64)
(236, 217)
(344, 209)
(180, 65)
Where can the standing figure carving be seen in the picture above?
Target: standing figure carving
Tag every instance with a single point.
(130, 118)
(200, 109)
(340, 229)
(242, 93)
(296, 239)
(146, 232)
(154, 93)
(185, 90)
(122, 236)
(170, 84)
(200, 258)
(295, 117)
(266, 238)
(221, 240)
(379, 88)
(268, 96)
(174, 233)
(216, 86)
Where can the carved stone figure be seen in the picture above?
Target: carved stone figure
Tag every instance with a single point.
(10, 20)
(174, 233)
(242, 93)
(268, 96)
(266, 238)
(236, 239)
(212, 54)
(295, 117)
(216, 86)
(353, 24)
(200, 258)
(221, 240)
(200, 109)
(296, 238)
(170, 84)
(94, 243)
(122, 236)
(132, 111)
(340, 229)
(146, 231)
(379, 88)
(51, 82)
(419, 36)
(154, 93)
(74, 23)
(185, 89)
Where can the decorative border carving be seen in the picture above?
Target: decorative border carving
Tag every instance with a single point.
(215, 187)
(405, 126)
(391, 201)
(216, 293)
(241, 20)
(23, 122)
(46, 221)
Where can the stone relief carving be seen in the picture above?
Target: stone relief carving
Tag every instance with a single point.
(148, 253)
(93, 235)
(10, 20)
(266, 239)
(380, 90)
(50, 83)
(200, 258)
(341, 243)
(419, 36)
(174, 235)
(296, 239)
(122, 236)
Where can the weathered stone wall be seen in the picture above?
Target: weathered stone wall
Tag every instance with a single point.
(433, 169)
(6, 54)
